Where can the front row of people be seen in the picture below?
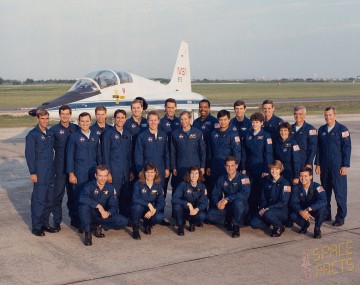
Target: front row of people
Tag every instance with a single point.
(279, 202)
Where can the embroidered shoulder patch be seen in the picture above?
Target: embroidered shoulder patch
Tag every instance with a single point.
(287, 189)
(245, 181)
(312, 132)
(345, 134)
(296, 147)
(269, 141)
(320, 189)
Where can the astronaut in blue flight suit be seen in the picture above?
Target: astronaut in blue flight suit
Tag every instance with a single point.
(258, 155)
(83, 154)
(308, 201)
(306, 136)
(100, 126)
(168, 124)
(116, 148)
(189, 200)
(135, 125)
(332, 162)
(148, 200)
(231, 193)
(224, 142)
(187, 149)
(287, 150)
(98, 206)
(152, 146)
(39, 151)
(272, 122)
(274, 202)
(61, 132)
(240, 121)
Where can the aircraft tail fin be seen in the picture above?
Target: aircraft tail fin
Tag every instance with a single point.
(181, 79)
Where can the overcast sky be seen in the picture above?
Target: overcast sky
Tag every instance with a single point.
(65, 39)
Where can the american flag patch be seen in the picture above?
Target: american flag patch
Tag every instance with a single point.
(237, 139)
(245, 181)
(296, 147)
(345, 134)
(269, 141)
(287, 189)
(312, 132)
(320, 189)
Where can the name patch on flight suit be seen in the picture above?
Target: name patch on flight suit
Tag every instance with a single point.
(144, 125)
(192, 136)
(92, 139)
(160, 138)
(260, 137)
(154, 192)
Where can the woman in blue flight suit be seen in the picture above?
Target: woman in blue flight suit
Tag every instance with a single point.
(189, 200)
(287, 150)
(274, 202)
(148, 200)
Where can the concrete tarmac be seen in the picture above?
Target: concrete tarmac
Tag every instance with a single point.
(207, 256)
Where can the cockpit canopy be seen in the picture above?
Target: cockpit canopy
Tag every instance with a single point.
(103, 78)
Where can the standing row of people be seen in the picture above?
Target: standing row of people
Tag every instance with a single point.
(171, 146)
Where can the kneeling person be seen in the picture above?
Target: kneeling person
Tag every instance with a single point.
(99, 207)
(231, 193)
(189, 200)
(308, 201)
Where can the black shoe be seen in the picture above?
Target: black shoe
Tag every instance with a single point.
(236, 232)
(80, 230)
(228, 226)
(58, 227)
(277, 231)
(38, 233)
(199, 225)
(289, 224)
(180, 231)
(136, 233)
(337, 223)
(303, 231)
(165, 223)
(147, 230)
(49, 229)
(88, 239)
(317, 234)
(97, 229)
(192, 228)
(328, 218)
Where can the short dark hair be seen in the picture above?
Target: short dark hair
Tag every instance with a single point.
(101, 167)
(239, 103)
(257, 116)
(41, 112)
(185, 113)
(100, 108)
(267, 101)
(307, 169)
(149, 166)
(170, 100)
(119, 111)
(230, 158)
(223, 113)
(285, 125)
(328, 108)
(193, 168)
(205, 101)
(84, 114)
(65, 107)
(153, 112)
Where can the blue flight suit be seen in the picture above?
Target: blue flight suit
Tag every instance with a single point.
(135, 129)
(288, 152)
(82, 157)
(242, 126)
(275, 196)
(90, 197)
(334, 151)
(61, 134)
(306, 137)
(315, 198)
(39, 152)
(116, 154)
(99, 130)
(186, 150)
(258, 156)
(222, 144)
(153, 149)
(142, 196)
(206, 126)
(186, 193)
(237, 192)
(168, 125)
(272, 127)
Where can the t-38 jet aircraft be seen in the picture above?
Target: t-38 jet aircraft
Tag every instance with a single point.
(117, 89)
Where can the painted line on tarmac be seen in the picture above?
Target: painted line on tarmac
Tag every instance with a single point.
(194, 259)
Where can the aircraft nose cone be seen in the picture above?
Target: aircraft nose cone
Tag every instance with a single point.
(32, 112)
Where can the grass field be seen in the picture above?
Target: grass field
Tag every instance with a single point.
(25, 96)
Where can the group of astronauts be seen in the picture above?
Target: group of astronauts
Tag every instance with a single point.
(255, 171)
